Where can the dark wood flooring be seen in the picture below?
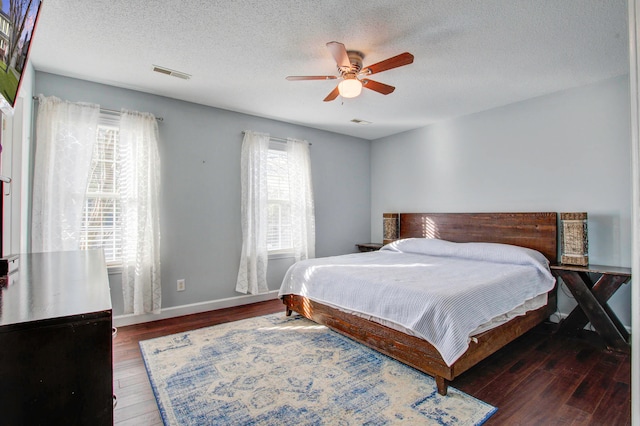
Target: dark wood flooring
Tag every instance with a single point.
(539, 379)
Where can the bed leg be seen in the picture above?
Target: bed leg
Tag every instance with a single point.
(288, 311)
(442, 385)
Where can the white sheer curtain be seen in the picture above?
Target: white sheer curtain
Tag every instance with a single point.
(140, 191)
(252, 274)
(303, 222)
(66, 134)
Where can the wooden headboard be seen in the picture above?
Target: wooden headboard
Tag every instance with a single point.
(536, 231)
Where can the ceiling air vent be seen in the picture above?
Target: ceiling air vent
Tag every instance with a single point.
(173, 73)
(362, 122)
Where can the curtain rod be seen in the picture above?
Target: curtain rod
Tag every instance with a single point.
(108, 111)
(273, 138)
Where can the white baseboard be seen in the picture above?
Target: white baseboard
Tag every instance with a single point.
(194, 308)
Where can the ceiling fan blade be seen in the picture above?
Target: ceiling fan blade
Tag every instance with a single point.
(402, 59)
(331, 96)
(385, 89)
(339, 53)
(311, 77)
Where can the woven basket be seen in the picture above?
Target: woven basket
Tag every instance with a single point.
(574, 248)
(391, 225)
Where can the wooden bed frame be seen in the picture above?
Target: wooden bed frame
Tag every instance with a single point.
(532, 230)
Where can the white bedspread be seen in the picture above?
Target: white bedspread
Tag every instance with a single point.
(440, 290)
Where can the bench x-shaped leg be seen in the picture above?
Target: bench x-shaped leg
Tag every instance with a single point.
(592, 306)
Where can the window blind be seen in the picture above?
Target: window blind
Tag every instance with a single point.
(101, 224)
(279, 204)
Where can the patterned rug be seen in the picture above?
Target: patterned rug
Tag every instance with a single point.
(274, 370)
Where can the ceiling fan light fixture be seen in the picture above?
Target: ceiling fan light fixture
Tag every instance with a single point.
(350, 88)
(349, 63)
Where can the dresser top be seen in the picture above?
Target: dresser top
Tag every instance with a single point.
(54, 285)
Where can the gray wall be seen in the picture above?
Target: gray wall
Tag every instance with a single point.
(200, 207)
(564, 152)
(568, 151)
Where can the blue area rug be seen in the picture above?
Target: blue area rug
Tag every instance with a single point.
(274, 370)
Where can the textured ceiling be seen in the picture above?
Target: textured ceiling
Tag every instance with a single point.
(469, 55)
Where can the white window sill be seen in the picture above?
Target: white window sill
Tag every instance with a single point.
(280, 255)
(114, 269)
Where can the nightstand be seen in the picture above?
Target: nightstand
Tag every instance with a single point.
(592, 300)
(369, 246)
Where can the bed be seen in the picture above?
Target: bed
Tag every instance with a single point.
(535, 231)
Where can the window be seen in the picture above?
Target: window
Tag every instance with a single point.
(96, 185)
(278, 204)
(101, 216)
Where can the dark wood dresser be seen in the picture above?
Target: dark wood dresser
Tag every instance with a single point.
(55, 341)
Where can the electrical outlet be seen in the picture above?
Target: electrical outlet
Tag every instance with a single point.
(181, 285)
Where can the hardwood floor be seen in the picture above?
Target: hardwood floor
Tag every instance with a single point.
(539, 379)
(548, 379)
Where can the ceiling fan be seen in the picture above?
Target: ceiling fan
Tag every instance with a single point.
(350, 68)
